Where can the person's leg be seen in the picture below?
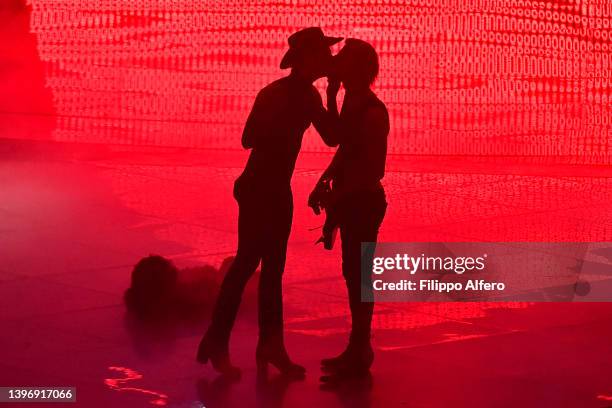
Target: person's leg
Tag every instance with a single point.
(215, 342)
(271, 345)
(361, 312)
(230, 296)
(360, 222)
(271, 291)
(358, 355)
(363, 229)
(278, 219)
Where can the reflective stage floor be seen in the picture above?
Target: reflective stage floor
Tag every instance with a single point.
(76, 218)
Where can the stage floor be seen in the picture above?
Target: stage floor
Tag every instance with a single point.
(75, 218)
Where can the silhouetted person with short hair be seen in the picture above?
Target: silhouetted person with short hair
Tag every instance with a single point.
(282, 112)
(358, 202)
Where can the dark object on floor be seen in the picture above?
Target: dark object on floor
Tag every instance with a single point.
(153, 287)
(158, 288)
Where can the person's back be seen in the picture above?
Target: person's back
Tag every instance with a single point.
(281, 114)
(364, 148)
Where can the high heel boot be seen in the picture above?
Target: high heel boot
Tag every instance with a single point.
(218, 356)
(357, 358)
(274, 353)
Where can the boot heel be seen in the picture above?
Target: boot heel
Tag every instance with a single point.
(219, 359)
(262, 366)
(203, 354)
(274, 353)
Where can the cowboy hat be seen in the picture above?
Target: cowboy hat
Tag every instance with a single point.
(305, 40)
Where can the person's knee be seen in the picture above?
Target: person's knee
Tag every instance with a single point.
(274, 256)
(243, 266)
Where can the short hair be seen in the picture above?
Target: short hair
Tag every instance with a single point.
(363, 59)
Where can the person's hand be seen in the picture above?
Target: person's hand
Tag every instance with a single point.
(314, 199)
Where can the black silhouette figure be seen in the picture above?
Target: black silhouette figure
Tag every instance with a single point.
(282, 111)
(352, 195)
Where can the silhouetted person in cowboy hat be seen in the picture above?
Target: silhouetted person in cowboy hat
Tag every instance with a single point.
(359, 202)
(282, 111)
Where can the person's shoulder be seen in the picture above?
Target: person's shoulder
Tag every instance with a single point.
(377, 107)
(273, 88)
(377, 104)
(376, 114)
(277, 84)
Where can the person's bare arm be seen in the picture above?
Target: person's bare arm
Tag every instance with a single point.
(332, 170)
(324, 183)
(327, 121)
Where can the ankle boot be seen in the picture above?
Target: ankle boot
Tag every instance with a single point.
(274, 353)
(357, 357)
(218, 356)
(333, 361)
